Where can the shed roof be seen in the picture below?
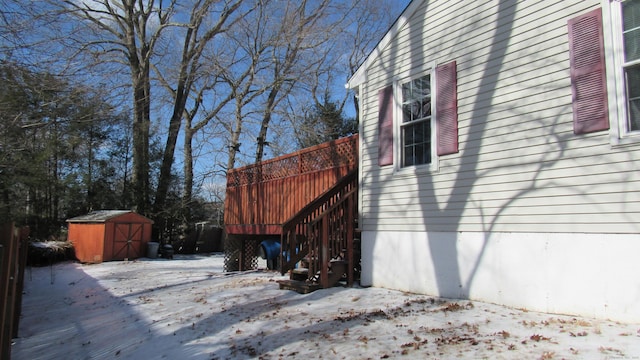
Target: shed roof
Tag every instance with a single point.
(99, 216)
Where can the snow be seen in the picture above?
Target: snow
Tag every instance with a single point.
(189, 308)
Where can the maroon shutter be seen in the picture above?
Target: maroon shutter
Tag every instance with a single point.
(588, 78)
(385, 126)
(447, 108)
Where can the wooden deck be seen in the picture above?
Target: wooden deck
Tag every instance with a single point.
(262, 197)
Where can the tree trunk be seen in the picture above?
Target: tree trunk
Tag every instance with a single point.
(266, 119)
(234, 146)
(141, 146)
(167, 163)
(188, 172)
(139, 63)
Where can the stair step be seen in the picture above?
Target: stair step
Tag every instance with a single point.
(300, 274)
(338, 268)
(301, 287)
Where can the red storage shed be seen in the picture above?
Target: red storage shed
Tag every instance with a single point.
(109, 235)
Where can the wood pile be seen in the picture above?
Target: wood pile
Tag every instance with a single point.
(43, 253)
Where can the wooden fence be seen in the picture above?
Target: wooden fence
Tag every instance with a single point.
(13, 258)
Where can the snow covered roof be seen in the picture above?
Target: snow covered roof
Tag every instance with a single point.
(99, 216)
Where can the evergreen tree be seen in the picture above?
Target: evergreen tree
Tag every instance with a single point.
(52, 139)
(324, 123)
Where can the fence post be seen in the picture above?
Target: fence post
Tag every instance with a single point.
(22, 251)
(7, 287)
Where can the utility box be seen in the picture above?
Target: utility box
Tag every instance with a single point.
(109, 235)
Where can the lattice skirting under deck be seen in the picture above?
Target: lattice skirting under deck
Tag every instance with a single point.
(240, 254)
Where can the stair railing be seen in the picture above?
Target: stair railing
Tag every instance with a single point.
(323, 231)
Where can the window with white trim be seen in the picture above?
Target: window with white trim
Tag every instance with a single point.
(415, 127)
(630, 59)
(426, 119)
(624, 27)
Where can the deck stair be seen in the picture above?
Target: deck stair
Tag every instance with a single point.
(318, 241)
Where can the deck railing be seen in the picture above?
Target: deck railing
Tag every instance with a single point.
(262, 196)
(323, 231)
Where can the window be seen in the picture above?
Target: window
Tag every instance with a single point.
(622, 42)
(631, 61)
(426, 125)
(415, 127)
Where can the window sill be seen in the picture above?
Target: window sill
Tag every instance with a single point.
(416, 170)
(629, 140)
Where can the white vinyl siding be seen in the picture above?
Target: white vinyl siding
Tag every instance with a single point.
(520, 167)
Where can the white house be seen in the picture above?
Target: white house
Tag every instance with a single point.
(500, 154)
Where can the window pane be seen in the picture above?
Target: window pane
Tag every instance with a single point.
(417, 143)
(419, 154)
(408, 156)
(406, 92)
(426, 107)
(634, 115)
(632, 76)
(409, 135)
(416, 99)
(416, 110)
(406, 113)
(631, 45)
(631, 29)
(421, 87)
(631, 14)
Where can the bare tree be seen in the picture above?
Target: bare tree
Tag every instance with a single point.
(278, 49)
(249, 45)
(195, 67)
(352, 35)
(194, 47)
(305, 33)
(371, 17)
(139, 36)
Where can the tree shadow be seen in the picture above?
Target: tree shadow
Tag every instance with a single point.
(517, 149)
(80, 316)
(67, 314)
(453, 263)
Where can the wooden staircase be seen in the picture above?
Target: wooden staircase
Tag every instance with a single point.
(317, 243)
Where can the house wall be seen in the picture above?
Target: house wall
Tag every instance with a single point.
(592, 275)
(527, 211)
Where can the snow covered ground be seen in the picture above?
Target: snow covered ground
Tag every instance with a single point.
(188, 308)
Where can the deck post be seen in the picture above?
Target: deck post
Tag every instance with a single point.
(350, 236)
(324, 254)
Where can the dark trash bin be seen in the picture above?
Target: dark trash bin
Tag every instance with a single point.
(152, 249)
(167, 251)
